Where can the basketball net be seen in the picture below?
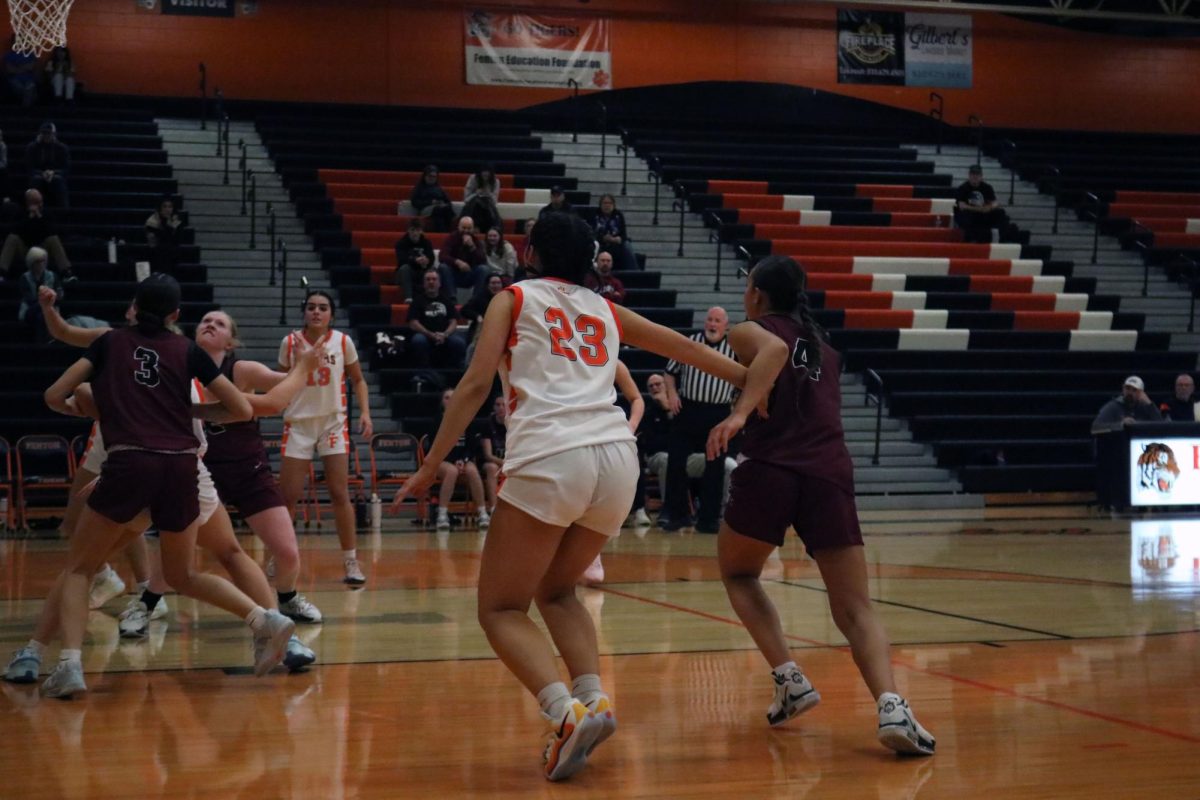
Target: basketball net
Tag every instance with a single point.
(40, 25)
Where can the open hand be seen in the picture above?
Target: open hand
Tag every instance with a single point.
(719, 436)
(420, 480)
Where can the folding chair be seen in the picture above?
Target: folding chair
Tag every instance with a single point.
(43, 466)
(403, 450)
(465, 507)
(79, 448)
(8, 511)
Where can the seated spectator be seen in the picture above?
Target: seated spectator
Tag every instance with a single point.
(558, 202)
(612, 235)
(20, 71)
(460, 461)
(603, 282)
(35, 277)
(33, 227)
(49, 161)
(1133, 405)
(429, 199)
(1183, 406)
(474, 309)
(461, 258)
(491, 450)
(523, 256)
(433, 321)
(976, 210)
(163, 230)
(479, 199)
(414, 255)
(501, 255)
(60, 71)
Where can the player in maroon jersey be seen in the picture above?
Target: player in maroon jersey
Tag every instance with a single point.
(796, 471)
(141, 380)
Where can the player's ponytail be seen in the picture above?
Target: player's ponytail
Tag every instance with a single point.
(784, 282)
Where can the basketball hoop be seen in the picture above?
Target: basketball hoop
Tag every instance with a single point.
(40, 25)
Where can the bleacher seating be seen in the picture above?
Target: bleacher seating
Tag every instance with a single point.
(900, 293)
(118, 174)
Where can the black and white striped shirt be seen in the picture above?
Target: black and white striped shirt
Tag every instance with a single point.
(697, 385)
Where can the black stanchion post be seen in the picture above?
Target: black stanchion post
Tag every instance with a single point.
(571, 82)
(271, 238)
(220, 113)
(1096, 237)
(242, 167)
(253, 209)
(203, 97)
(283, 283)
(623, 147)
(977, 123)
(716, 235)
(656, 182)
(936, 113)
(225, 137)
(603, 134)
(1011, 146)
(681, 194)
(1055, 176)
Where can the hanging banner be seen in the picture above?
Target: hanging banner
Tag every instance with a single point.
(506, 48)
(937, 50)
(199, 8)
(870, 47)
(893, 49)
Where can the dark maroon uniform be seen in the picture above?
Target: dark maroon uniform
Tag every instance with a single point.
(141, 380)
(797, 470)
(238, 462)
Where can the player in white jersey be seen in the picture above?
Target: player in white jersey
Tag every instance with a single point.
(315, 421)
(570, 467)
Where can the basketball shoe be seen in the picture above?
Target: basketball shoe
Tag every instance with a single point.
(134, 621)
(106, 584)
(794, 694)
(899, 729)
(273, 638)
(297, 655)
(603, 709)
(24, 667)
(569, 740)
(300, 610)
(65, 681)
(594, 574)
(354, 574)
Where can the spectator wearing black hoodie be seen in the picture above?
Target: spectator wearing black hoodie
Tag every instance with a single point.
(49, 162)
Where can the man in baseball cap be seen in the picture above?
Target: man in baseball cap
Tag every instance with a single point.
(1132, 406)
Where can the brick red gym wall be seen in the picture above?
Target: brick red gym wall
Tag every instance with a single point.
(410, 53)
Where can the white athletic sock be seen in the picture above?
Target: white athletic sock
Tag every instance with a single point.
(784, 669)
(586, 688)
(256, 618)
(554, 699)
(351, 553)
(70, 655)
(37, 647)
(143, 586)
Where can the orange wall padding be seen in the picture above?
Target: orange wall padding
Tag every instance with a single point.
(411, 53)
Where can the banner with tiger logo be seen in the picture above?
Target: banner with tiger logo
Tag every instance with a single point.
(509, 48)
(1164, 471)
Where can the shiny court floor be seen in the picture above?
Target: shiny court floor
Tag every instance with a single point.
(1053, 654)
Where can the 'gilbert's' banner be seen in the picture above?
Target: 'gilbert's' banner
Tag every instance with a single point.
(904, 49)
(506, 48)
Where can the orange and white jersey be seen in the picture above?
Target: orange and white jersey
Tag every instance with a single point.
(558, 371)
(325, 393)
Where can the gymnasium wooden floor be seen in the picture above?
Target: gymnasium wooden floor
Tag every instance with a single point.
(1053, 654)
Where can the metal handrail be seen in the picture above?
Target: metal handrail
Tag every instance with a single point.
(1094, 213)
(1193, 284)
(225, 137)
(623, 149)
(220, 98)
(937, 113)
(654, 175)
(603, 132)
(283, 282)
(976, 122)
(242, 167)
(253, 210)
(1140, 245)
(203, 97)
(571, 82)
(715, 236)
(1011, 147)
(1056, 173)
(271, 237)
(872, 377)
(681, 202)
(744, 253)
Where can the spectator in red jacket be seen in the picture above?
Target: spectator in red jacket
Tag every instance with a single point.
(462, 260)
(603, 282)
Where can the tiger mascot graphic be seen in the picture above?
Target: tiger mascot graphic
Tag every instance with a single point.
(1157, 467)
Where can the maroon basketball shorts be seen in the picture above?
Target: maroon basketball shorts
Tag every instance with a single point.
(248, 485)
(764, 500)
(134, 480)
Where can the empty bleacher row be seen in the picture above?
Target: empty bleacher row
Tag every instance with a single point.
(901, 294)
(118, 174)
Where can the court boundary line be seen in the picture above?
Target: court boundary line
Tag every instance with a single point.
(1184, 737)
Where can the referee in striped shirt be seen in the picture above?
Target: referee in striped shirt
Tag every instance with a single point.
(699, 401)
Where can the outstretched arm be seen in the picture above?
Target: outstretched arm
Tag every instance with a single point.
(58, 327)
(640, 332)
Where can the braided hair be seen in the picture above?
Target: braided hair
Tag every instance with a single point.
(784, 282)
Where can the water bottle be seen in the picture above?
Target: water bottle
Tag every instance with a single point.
(376, 512)
(112, 250)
